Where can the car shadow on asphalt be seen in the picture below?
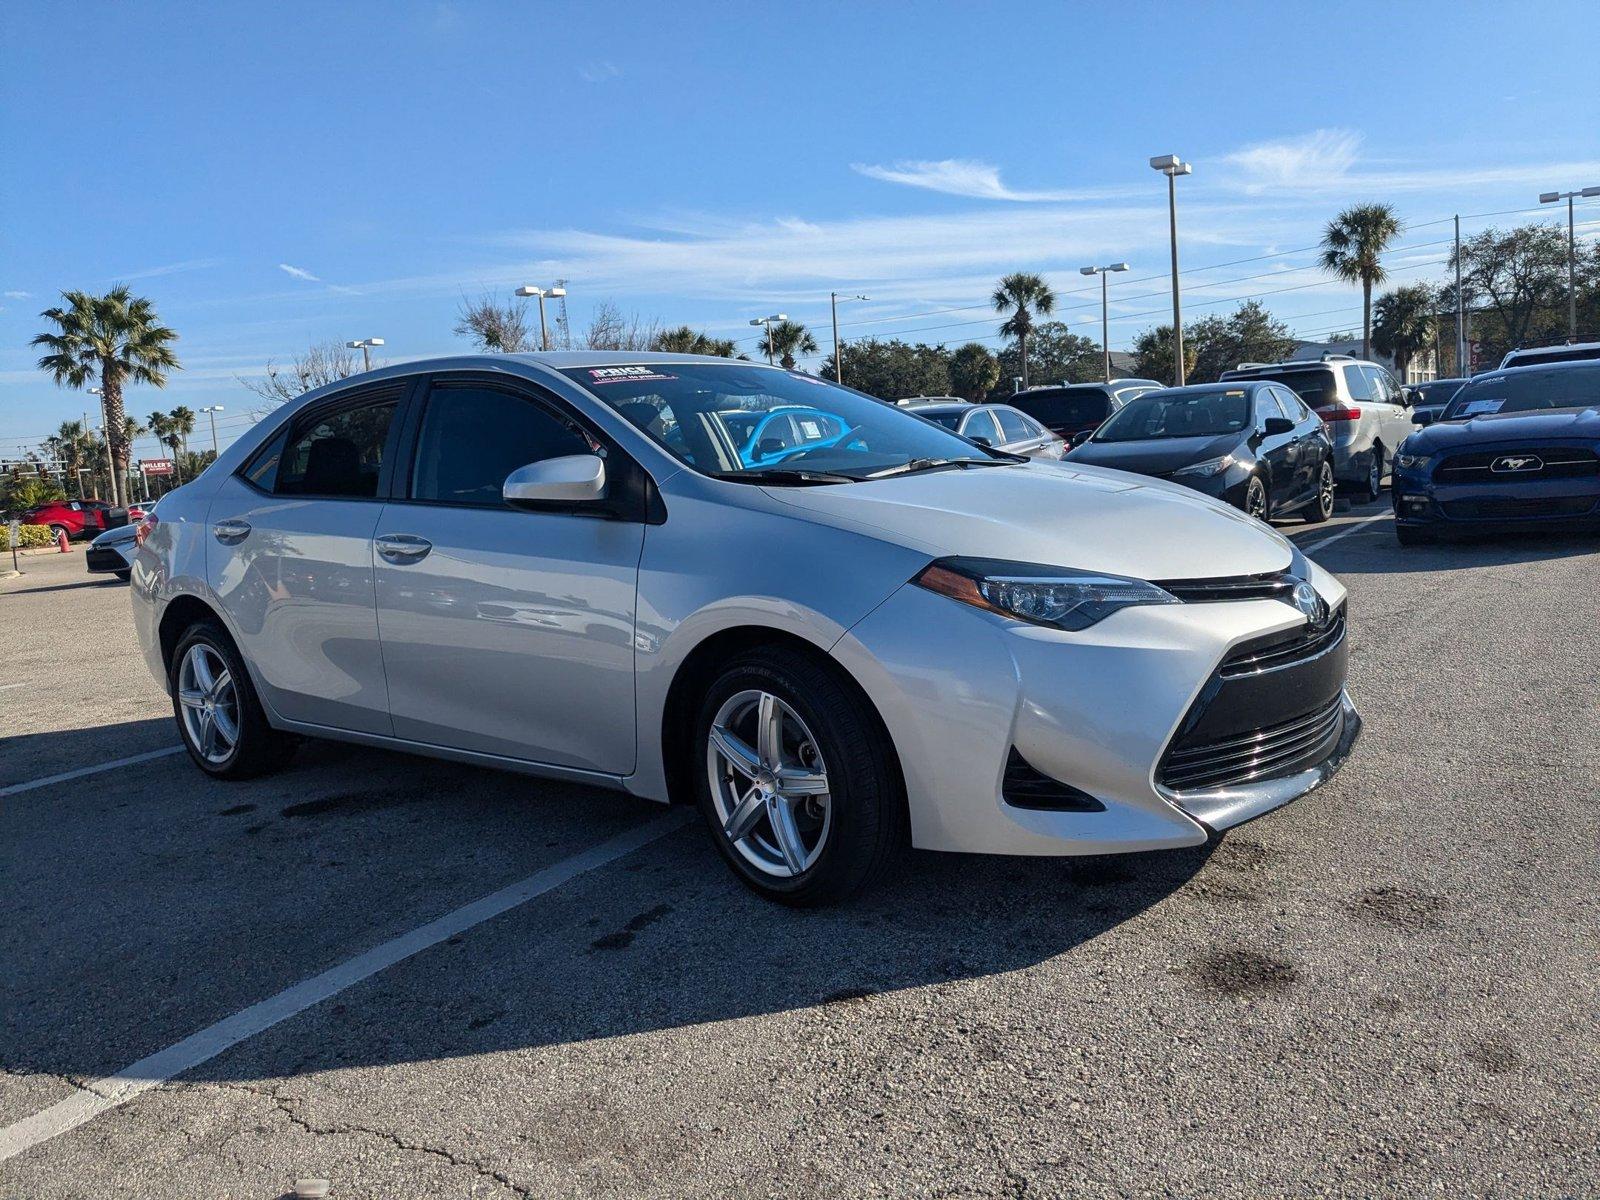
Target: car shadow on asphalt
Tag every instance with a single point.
(21, 587)
(29, 756)
(1381, 554)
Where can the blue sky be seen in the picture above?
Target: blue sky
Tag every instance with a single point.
(277, 174)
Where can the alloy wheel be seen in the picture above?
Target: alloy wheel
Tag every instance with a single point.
(769, 784)
(1326, 489)
(210, 703)
(1255, 500)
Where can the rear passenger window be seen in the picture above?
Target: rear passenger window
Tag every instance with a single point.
(1013, 426)
(473, 436)
(339, 454)
(1360, 384)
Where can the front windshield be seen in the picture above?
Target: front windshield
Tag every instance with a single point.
(1178, 412)
(735, 420)
(1527, 391)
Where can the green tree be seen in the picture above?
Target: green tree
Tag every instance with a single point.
(789, 340)
(118, 338)
(1352, 249)
(1055, 355)
(1515, 282)
(892, 369)
(1022, 294)
(1152, 353)
(168, 430)
(974, 372)
(1404, 323)
(183, 420)
(1249, 334)
(71, 446)
(684, 340)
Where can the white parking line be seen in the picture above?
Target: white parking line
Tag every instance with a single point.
(16, 789)
(1353, 527)
(112, 1091)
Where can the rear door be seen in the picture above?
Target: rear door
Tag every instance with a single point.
(1019, 434)
(1396, 423)
(290, 558)
(504, 631)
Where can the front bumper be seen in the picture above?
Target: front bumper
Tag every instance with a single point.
(1420, 503)
(961, 690)
(105, 559)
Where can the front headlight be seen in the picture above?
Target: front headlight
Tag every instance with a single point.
(1208, 468)
(1040, 595)
(1411, 462)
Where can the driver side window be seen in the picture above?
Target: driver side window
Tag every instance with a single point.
(474, 435)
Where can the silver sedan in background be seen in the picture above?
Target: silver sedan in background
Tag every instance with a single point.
(997, 425)
(561, 564)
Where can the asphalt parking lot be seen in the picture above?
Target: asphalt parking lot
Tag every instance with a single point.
(1387, 988)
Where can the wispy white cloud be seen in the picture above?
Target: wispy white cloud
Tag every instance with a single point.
(298, 273)
(965, 177)
(1314, 159)
(18, 295)
(598, 71)
(191, 264)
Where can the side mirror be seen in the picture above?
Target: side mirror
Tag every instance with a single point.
(1277, 425)
(768, 446)
(1422, 418)
(1082, 436)
(571, 479)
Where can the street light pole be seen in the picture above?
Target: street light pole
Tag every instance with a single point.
(1572, 253)
(767, 321)
(365, 346)
(213, 409)
(1105, 310)
(838, 361)
(1172, 166)
(530, 290)
(1461, 310)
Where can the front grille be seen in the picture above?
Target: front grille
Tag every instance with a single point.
(1557, 462)
(1267, 752)
(1276, 585)
(1284, 649)
(1492, 508)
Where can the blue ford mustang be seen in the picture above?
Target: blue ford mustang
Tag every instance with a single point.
(1514, 449)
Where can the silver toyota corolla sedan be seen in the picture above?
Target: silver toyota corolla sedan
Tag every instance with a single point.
(573, 565)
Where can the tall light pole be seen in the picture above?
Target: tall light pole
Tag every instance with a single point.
(768, 322)
(1105, 313)
(365, 345)
(529, 290)
(838, 362)
(1172, 166)
(1572, 253)
(213, 409)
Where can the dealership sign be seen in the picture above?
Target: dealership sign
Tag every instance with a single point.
(156, 466)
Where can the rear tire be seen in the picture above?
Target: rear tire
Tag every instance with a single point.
(1321, 507)
(219, 716)
(828, 799)
(1373, 487)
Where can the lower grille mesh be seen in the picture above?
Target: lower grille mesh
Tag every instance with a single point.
(1272, 750)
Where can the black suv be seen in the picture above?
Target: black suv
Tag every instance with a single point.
(1072, 408)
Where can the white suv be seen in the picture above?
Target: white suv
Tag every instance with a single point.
(1361, 404)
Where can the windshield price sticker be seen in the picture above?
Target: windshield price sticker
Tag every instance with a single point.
(627, 375)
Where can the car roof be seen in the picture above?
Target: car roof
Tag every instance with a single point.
(1573, 364)
(923, 406)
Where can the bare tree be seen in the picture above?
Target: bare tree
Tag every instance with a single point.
(495, 327)
(323, 363)
(610, 329)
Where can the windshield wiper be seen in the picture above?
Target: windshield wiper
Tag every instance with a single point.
(935, 464)
(786, 476)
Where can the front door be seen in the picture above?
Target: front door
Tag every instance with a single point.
(1280, 451)
(289, 554)
(504, 631)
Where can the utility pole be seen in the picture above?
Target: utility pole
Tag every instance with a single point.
(838, 359)
(213, 409)
(1572, 253)
(1172, 166)
(767, 321)
(1461, 311)
(1105, 319)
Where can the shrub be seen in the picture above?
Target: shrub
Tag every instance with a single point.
(31, 535)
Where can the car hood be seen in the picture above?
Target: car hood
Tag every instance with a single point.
(1508, 427)
(1061, 514)
(1155, 456)
(122, 533)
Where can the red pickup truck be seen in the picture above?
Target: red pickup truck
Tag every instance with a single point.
(76, 518)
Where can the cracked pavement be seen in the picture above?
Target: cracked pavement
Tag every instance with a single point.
(1387, 988)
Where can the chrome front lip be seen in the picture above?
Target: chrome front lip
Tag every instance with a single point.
(1223, 808)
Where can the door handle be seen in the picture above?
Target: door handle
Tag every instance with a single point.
(402, 547)
(229, 532)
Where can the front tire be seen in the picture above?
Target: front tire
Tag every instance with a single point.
(796, 779)
(1257, 500)
(1321, 507)
(219, 716)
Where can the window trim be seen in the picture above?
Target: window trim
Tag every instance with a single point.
(634, 495)
(357, 397)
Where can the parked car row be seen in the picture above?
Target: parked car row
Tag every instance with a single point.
(80, 518)
(588, 566)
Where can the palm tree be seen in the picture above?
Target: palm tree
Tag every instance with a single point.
(183, 420)
(161, 428)
(1403, 324)
(1023, 294)
(787, 339)
(117, 337)
(685, 340)
(1352, 249)
(69, 446)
